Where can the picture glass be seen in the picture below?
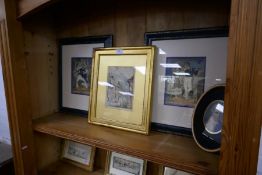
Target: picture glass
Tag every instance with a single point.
(125, 165)
(78, 152)
(76, 72)
(81, 75)
(213, 120)
(213, 117)
(121, 90)
(185, 69)
(185, 80)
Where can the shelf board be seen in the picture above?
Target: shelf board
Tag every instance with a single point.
(26, 7)
(167, 149)
(63, 168)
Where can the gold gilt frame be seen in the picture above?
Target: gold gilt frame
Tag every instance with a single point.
(88, 167)
(141, 60)
(108, 162)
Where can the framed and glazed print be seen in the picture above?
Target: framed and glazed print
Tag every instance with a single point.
(121, 88)
(171, 171)
(78, 154)
(125, 165)
(75, 70)
(188, 62)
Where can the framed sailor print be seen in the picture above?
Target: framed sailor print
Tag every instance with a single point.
(121, 88)
(188, 62)
(75, 70)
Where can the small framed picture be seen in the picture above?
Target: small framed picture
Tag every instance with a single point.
(188, 62)
(207, 119)
(78, 154)
(172, 171)
(121, 88)
(125, 165)
(75, 70)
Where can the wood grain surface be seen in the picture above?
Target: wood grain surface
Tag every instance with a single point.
(40, 51)
(63, 168)
(48, 150)
(26, 7)
(16, 90)
(130, 20)
(243, 96)
(171, 150)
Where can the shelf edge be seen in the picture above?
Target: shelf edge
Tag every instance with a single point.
(103, 145)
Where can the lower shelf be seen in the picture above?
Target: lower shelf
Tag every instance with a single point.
(63, 168)
(164, 149)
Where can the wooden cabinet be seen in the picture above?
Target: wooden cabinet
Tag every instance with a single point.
(29, 34)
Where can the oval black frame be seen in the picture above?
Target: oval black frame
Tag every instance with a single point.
(204, 142)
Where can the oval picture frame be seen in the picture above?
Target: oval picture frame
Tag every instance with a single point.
(207, 119)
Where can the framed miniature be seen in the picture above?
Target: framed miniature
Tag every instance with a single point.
(75, 55)
(78, 154)
(125, 165)
(207, 119)
(188, 62)
(121, 88)
(171, 171)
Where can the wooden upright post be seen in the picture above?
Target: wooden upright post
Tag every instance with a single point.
(243, 96)
(17, 89)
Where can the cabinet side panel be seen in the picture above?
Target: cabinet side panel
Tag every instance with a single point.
(41, 56)
(48, 150)
(17, 91)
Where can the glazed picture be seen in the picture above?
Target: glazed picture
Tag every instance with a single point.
(121, 86)
(81, 75)
(184, 81)
(126, 165)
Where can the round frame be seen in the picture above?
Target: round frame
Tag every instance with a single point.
(201, 137)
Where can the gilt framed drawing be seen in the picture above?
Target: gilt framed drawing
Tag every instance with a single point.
(78, 154)
(75, 55)
(125, 165)
(188, 62)
(121, 88)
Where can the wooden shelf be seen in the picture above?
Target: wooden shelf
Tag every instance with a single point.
(167, 149)
(26, 7)
(63, 168)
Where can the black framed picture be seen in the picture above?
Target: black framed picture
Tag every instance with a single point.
(75, 68)
(188, 62)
